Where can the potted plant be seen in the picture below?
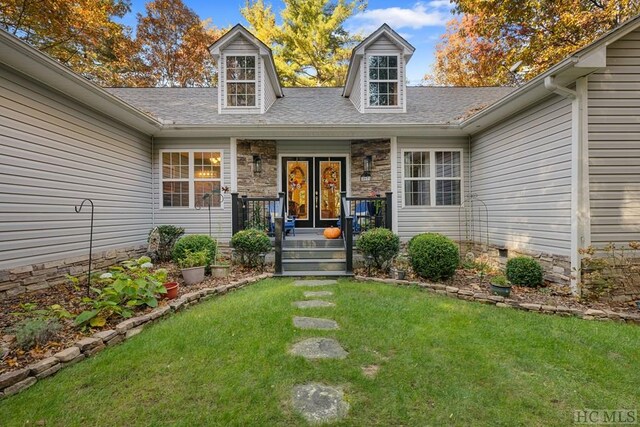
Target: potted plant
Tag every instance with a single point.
(219, 269)
(500, 286)
(172, 290)
(192, 266)
(400, 267)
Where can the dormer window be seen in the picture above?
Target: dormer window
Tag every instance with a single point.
(383, 81)
(241, 81)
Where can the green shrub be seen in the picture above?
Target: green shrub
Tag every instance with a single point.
(249, 245)
(380, 245)
(193, 259)
(195, 243)
(35, 331)
(433, 256)
(169, 235)
(524, 271)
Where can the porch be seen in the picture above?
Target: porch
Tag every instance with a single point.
(301, 251)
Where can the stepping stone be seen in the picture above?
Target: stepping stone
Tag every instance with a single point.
(316, 294)
(314, 323)
(314, 282)
(319, 403)
(313, 303)
(319, 348)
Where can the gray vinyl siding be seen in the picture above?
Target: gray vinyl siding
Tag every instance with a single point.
(269, 92)
(193, 220)
(356, 92)
(614, 144)
(54, 153)
(413, 220)
(521, 168)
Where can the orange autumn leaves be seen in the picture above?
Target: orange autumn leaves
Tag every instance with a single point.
(490, 36)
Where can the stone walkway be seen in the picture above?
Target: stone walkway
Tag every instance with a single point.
(318, 403)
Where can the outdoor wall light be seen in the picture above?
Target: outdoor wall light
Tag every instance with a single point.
(257, 164)
(367, 165)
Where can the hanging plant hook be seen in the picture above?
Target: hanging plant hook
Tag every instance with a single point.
(78, 209)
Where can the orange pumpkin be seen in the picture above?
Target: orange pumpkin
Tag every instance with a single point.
(332, 232)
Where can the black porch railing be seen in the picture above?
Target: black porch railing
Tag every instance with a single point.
(255, 212)
(368, 212)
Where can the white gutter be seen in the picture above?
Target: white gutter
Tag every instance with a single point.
(551, 86)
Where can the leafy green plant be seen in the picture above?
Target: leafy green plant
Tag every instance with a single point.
(380, 245)
(500, 280)
(195, 243)
(31, 310)
(402, 262)
(433, 256)
(35, 331)
(250, 244)
(524, 271)
(193, 259)
(169, 235)
(125, 287)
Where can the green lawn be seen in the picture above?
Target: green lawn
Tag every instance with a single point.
(442, 361)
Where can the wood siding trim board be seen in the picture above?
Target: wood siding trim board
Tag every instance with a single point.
(521, 168)
(55, 152)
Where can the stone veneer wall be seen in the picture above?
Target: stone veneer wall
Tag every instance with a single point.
(264, 184)
(18, 280)
(605, 282)
(380, 182)
(557, 268)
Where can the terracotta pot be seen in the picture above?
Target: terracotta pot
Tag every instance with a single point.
(193, 276)
(172, 290)
(332, 232)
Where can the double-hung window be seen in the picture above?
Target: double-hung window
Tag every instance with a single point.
(241, 81)
(383, 80)
(188, 176)
(432, 178)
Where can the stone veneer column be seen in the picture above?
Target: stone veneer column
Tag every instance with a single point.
(380, 182)
(264, 184)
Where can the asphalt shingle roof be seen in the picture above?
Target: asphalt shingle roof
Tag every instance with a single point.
(320, 106)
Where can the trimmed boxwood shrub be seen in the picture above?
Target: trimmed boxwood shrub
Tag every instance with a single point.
(249, 245)
(524, 271)
(195, 243)
(380, 244)
(433, 256)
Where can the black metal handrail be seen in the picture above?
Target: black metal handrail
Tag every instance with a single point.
(369, 212)
(255, 212)
(346, 227)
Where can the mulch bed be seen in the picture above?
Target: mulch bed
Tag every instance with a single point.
(549, 294)
(70, 298)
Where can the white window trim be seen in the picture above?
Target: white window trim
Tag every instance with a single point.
(432, 177)
(369, 80)
(191, 179)
(227, 81)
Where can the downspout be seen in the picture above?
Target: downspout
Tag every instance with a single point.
(153, 185)
(469, 196)
(578, 141)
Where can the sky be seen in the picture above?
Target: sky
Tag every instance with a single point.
(420, 22)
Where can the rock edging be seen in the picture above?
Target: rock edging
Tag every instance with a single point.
(498, 301)
(16, 381)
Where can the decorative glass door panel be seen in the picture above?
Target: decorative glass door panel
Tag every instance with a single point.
(330, 187)
(298, 183)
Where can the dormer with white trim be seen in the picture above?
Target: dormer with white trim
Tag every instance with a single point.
(247, 78)
(376, 79)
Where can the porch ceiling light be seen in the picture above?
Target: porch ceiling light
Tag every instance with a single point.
(257, 164)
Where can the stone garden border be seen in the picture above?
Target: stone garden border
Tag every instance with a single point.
(16, 381)
(498, 301)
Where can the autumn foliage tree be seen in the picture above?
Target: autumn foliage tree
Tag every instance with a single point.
(81, 34)
(495, 34)
(311, 46)
(174, 45)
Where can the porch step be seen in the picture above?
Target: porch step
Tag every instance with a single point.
(314, 274)
(313, 243)
(318, 265)
(312, 253)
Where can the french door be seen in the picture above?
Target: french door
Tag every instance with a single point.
(312, 187)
